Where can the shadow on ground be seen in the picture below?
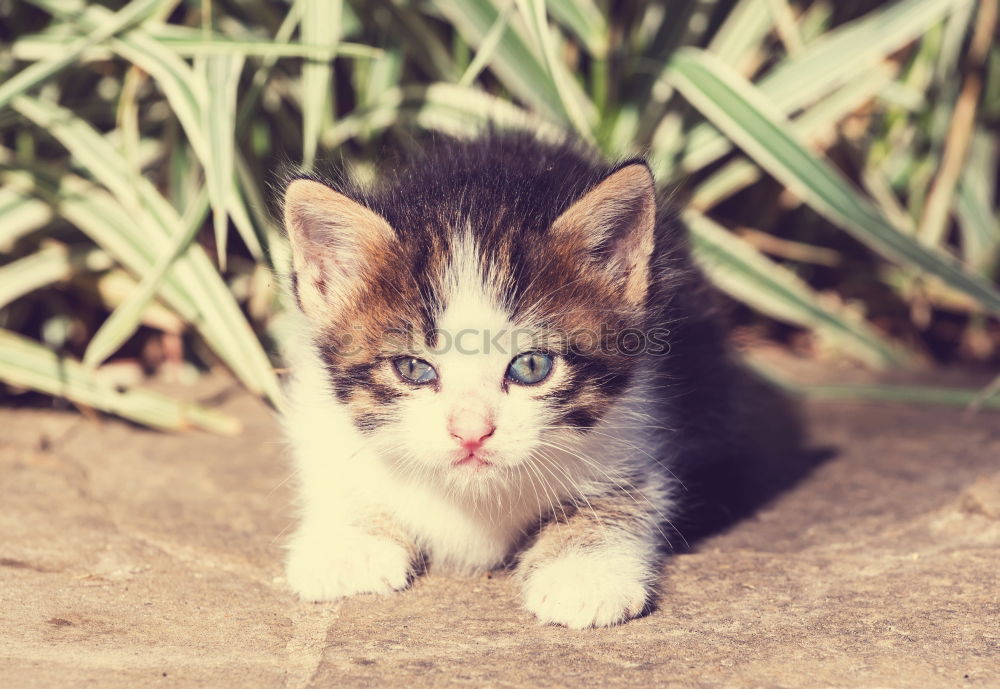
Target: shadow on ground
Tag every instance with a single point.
(769, 456)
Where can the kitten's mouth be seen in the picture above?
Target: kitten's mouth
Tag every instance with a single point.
(472, 460)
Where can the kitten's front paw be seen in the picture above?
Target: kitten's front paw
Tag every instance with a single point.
(324, 571)
(585, 590)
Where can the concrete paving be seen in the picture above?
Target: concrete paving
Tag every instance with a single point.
(133, 558)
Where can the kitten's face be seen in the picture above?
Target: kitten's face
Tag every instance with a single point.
(485, 381)
(466, 352)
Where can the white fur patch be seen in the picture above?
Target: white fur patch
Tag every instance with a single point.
(594, 588)
(344, 565)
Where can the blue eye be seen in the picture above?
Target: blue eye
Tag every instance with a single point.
(530, 368)
(415, 370)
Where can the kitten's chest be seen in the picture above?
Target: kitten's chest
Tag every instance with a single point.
(464, 536)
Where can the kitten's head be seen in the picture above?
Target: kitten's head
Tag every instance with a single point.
(479, 307)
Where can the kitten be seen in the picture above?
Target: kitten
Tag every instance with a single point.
(505, 351)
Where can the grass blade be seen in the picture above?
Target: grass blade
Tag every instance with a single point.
(124, 321)
(320, 26)
(585, 19)
(222, 76)
(26, 363)
(744, 114)
(465, 111)
(933, 395)
(133, 13)
(187, 90)
(934, 219)
(20, 215)
(785, 26)
(842, 55)
(106, 222)
(48, 265)
(220, 45)
(518, 66)
(534, 14)
(488, 46)
(36, 47)
(272, 243)
(425, 43)
(237, 207)
(978, 220)
(155, 222)
(251, 97)
(742, 33)
(811, 124)
(740, 270)
(847, 52)
(113, 287)
(183, 87)
(449, 108)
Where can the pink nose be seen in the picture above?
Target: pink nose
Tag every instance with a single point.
(470, 428)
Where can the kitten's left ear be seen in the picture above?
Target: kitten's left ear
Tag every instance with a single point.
(614, 223)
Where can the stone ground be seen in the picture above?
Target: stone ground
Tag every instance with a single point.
(131, 558)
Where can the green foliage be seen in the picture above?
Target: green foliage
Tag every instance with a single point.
(839, 172)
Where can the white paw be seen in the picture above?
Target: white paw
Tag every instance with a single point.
(583, 590)
(326, 570)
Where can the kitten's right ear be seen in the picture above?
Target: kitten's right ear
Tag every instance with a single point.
(614, 224)
(333, 241)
